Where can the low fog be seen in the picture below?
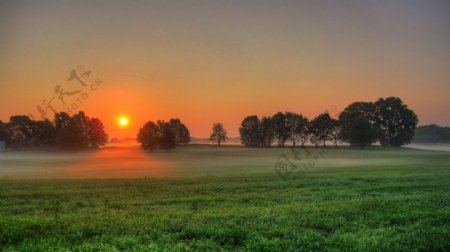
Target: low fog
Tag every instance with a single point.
(127, 160)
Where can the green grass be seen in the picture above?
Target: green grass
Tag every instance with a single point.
(379, 199)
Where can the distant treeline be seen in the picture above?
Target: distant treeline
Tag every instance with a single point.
(387, 121)
(65, 132)
(163, 135)
(432, 134)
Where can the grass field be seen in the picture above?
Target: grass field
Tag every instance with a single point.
(201, 198)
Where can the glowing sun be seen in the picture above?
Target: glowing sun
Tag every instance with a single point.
(123, 121)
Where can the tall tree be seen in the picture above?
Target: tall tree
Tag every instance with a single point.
(166, 137)
(159, 135)
(321, 129)
(362, 133)
(281, 128)
(291, 126)
(4, 134)
(304, 132)
(335, 131)
(20, 129)
(180, 131)
(97, 135)
(249, 131)
(79, 131)
(185, 135)
(62, 122)
(297, 127)
(78, 135)
(394, 121)
(219, 133)
(358, 124)
(43, 133)
(266, 132)
(148, 136)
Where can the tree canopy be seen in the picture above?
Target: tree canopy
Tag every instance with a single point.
(394, 121)
(321, 128)
(219, 133)
(388, 121)
(65, 132)
(250, 131)
(163, 135)
(432, 134)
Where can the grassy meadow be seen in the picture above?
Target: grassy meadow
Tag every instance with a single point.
(207, 198)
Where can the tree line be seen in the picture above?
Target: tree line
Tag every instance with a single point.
(65, 132)
(387, 121)
(163, 135)
(432, 134)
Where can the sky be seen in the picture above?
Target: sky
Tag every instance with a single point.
(206, 61)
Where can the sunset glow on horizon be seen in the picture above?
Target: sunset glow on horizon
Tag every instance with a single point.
(224, 125)
(219, 61)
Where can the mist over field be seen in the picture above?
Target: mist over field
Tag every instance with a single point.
(218, 125)
(430, 146)
(128, 160)
(228, 198)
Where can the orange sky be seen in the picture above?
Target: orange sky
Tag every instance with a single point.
(218, 61)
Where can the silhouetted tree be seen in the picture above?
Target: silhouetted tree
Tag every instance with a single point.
(4, 134)
(266, 132)
(159, 135)
(297, 126)
(71, 132)
(79, 131)
(395, 123)
(335, 131)
(180, 131)
(62, 121)
(281, 128)
(304, 133)
(431, 134)
(358, 124)
(219, 133)
(362, 133)
(321, 129)
(249, 131)
(97, 134)
(43, 133)
(291, 126)
(20, 128)
(148, 136)
(78, 135)
(167, 136)
(185, 136)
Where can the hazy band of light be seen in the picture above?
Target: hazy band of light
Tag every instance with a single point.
(210, 61)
